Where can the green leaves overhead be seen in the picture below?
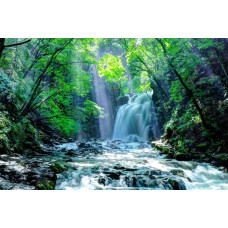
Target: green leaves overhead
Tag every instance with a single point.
(111, 67)
(54, 76)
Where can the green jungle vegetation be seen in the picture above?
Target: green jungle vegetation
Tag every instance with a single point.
(46, 90)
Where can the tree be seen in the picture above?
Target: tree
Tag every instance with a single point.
(3, 46)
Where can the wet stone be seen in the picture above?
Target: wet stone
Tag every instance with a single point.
(176, 184)
(178, 172)
(101, 180)
(113, 175)
(136, 168)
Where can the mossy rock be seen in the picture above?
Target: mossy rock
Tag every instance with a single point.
(178, 172)
(177, 185)
(223, 157)
(165, 149)
(59, 167)
(4, 144)
(45, 185)
(182, 156)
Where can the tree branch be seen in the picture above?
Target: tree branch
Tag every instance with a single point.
(12, 45)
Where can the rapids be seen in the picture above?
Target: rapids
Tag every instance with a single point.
(135, 165)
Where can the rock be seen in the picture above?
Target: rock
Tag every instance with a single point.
(222, 157)
(98, 147)
(119, 167)
(182, 156)
(45, 185)
(114, 147)
(82, 145)
(164, 148)
(58, 167)
(176, 184)
(117, 141)
(150, 172)
(130, 169)
(113, 175)
(101, 180)
(130, 181)
(85, 145)
(7, 185)
(72, 153)
(178, 172)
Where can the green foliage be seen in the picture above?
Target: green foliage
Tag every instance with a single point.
(111, 67)
(91, 108)
(45, 185)
(58, 167)
(182, 73)
(5, 82)
(66, 80)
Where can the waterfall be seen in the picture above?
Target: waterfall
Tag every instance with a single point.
(136, 120)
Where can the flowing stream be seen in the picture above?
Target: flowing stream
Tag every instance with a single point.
(134, 165)
(129, 162)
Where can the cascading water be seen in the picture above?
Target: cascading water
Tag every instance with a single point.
(136, 120)
(133, 165)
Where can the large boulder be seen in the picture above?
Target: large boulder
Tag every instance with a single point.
(59, 167)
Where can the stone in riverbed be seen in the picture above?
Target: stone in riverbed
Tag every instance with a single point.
(101, 180)
(81, 145)
(119, 167)
(113, 175)
(72, 153)
(176, 184)
(113, 146)
(45, 185)
(130, 181)
(178, 172)
(58, 167)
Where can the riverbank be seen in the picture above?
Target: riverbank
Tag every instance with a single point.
(38, 169)
(198, 156)
(106, 165)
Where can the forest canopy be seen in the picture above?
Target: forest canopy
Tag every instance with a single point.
(51, 83)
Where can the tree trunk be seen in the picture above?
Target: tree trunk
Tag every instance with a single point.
(124, 62)
(2, 46)
(189, 92)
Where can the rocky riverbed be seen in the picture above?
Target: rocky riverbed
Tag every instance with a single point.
(110, 165)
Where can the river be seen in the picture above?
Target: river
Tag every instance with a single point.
(120, 165)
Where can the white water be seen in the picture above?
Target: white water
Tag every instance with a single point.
(136, 165)
(136, 119)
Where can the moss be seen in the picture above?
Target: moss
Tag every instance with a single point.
(204, 144)
(178, 172)
(59, 167)
(165, 149)
(5, 128)
(223, 157)
(4, 144)
(45, 185)
(17, 136)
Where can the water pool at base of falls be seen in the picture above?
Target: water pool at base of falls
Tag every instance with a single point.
(123, 165)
